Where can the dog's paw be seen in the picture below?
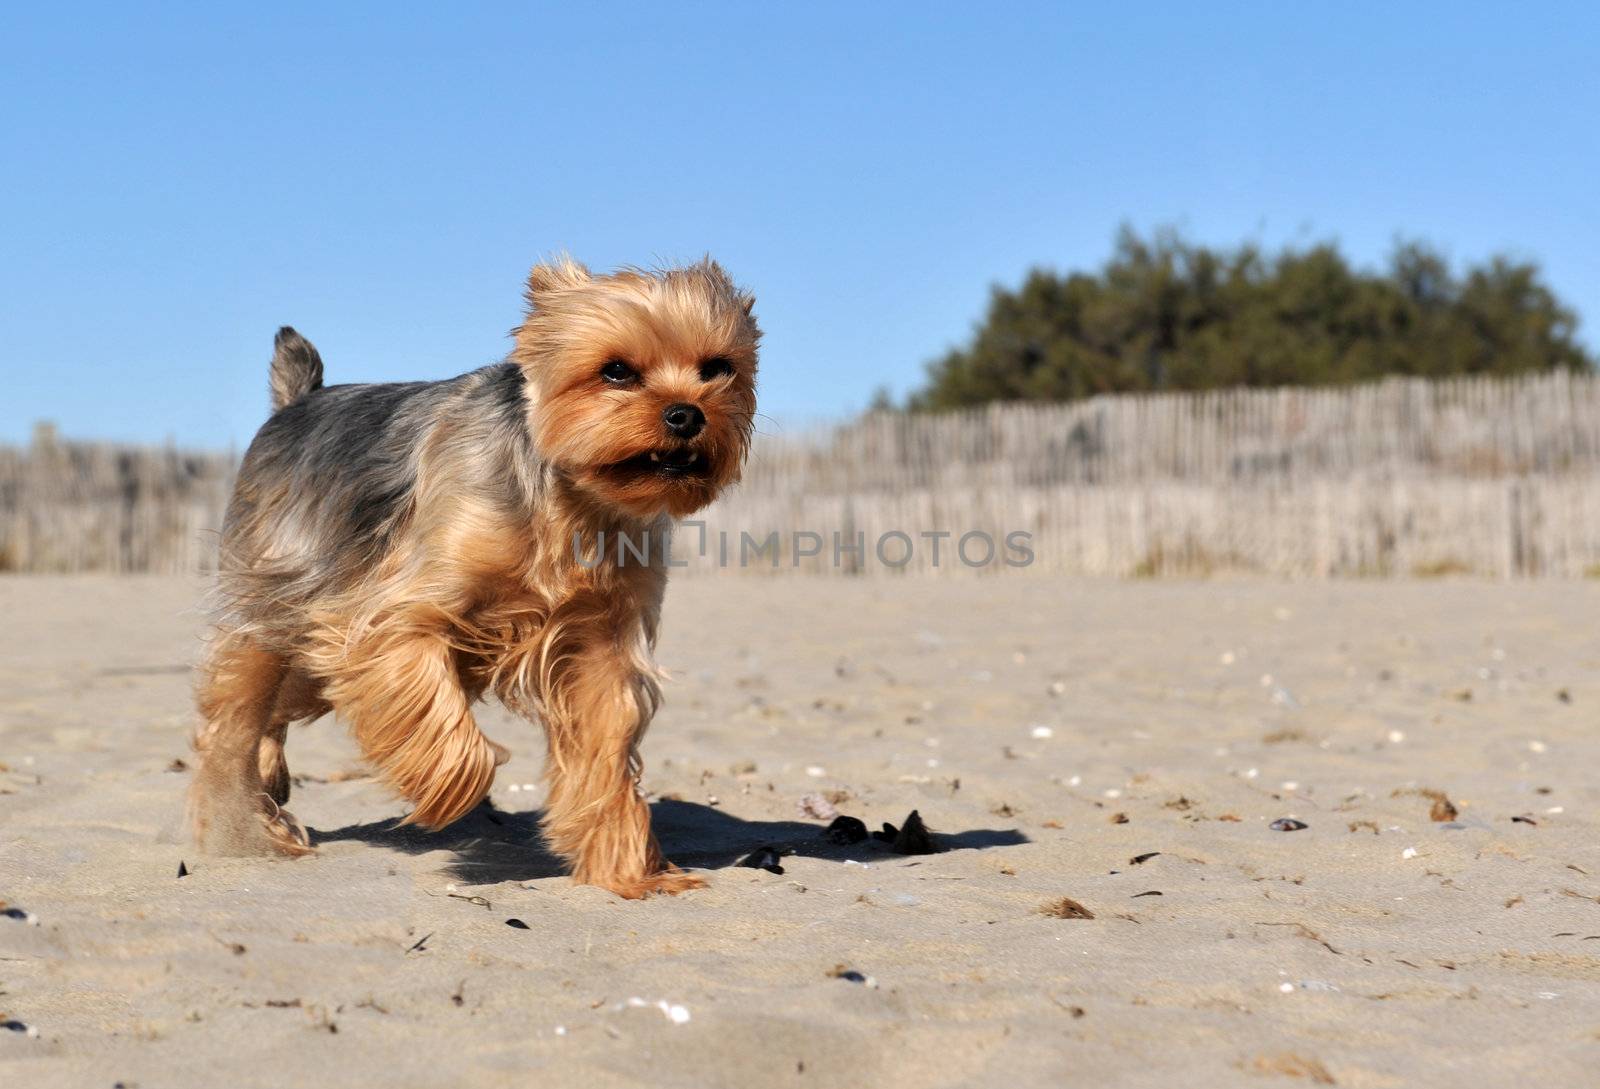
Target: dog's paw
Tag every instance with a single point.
(668, 882)
(235, 824)
(284, 835)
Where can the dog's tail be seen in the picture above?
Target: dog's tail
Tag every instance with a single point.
(296, 368)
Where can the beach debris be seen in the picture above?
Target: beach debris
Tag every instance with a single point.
(1442, 810)
(1287, 824)
(1041, 733)
(845, 830)
(1301, 930)
(1065, 907)
(417, 947)
(816, 771)
(1075, 1011)
(1119, 818)
(178, 764)
(183, 869)
(911, 838)
(1356, 826)
(1525, 820)
(12, 1025)
(1409, 852)
(672, 1011)
(850, 975)
(1563, 695)
(517, 924)
(1140, 860)
(480, 901)
(766, 858)
(816, 806)
(1293, 1066)
(1279, 737)
(1152, 892)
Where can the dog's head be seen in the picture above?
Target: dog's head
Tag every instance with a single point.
(642, 384)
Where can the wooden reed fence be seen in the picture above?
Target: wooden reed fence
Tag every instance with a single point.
(84, 506)
(1406, 477)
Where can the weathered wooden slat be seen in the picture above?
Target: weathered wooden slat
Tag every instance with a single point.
(1406, 477)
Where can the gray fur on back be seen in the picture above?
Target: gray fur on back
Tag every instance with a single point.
(329, 481)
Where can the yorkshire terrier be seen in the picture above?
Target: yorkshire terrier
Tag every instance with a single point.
(394, 552)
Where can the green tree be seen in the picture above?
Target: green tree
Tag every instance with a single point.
(1164, 314)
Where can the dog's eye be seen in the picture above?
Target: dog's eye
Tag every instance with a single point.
(716, 367)
(618, 372)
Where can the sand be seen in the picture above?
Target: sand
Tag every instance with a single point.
(1053, 733)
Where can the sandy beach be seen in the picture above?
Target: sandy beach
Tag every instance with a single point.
(1128, 746)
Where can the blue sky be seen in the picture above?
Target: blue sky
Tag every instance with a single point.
(177, 185)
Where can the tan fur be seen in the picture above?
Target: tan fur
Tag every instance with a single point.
(476, 594)
(229, 806)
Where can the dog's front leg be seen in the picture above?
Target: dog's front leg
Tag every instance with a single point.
(596, 706)
(401, 692)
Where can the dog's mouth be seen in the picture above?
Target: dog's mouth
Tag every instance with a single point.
(680, 461)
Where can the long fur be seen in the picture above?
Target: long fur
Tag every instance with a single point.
(396, 551)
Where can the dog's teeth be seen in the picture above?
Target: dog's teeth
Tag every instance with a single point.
(655, 455)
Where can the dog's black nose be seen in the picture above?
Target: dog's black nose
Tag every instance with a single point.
(684, 421)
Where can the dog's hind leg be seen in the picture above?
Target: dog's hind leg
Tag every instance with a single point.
(230, 808)
(299, 699)
(399, 690)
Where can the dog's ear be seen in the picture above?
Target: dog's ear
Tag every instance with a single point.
(747, 301)
(557, 274)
